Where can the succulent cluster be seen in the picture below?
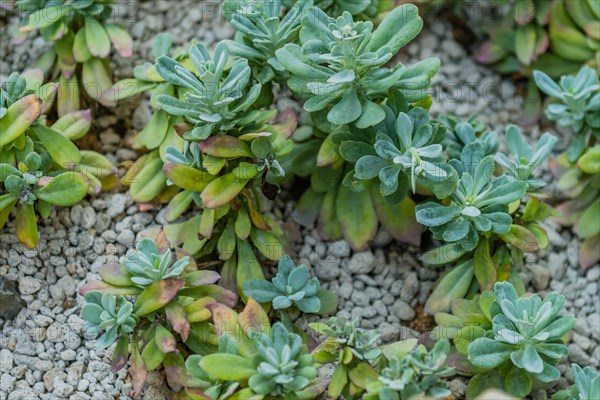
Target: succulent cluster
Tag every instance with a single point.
(586, 387)
(485, 227)
(217, 152)
(575, 105)
(82, 42)
(557, 36)
(40, 166)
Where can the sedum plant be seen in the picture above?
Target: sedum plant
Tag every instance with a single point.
(354, 350)
(485, 227)
(292, 287)
(586, 387)
(40, 166)
(168, 315)
(339, 66)
(409, 370)
(461, 133)
(524, 344)
(261, 31)
(575, 105)
(82, 40)
(263, 361)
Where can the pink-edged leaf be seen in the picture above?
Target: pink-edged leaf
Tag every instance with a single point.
(121, 354)
(176, 315)
(104, 287)
(589, 253)
(120, 39)
(225, 146)
(157, 295)
(220, 294)
(254, 318)
(201, 278)
(165, 341)
(138, 373)
(225, 319)
(115, 274)
(178, 378)
(196, 393)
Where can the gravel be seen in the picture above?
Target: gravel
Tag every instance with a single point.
(44, 353)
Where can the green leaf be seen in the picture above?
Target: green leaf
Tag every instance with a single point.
(157, 295)
(152, 356)
(222, 190)
(247, 267)
(97, 39)
(7, 202)
(454, 284)
(269, 245)
(521, 238)
(329, 301)
(483, 265)
(517, 382)
(372, 114)
(187, 177)
(339, 380)
(347, 110)
(525, 41)
(74, 125)
(443, 255)
(65, 189)
(227, 367)
(165, 341)
(398, 28)
(26, 225)
(81, 53)
(120, 39)
(356, 216)
(488, 353)
(61, 149)
(398, 219)
(434, 214)
(149, 182)
(587, 226)
(19, 117)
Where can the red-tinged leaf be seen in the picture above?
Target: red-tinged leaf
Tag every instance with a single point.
(398, 219)
(196, 394)
(120, 39)
(97, 38)
(74, 125)
(177, 316)
(589, 253)
(104, 287)
(255, 216)
(162, 243)
(138, 373)
(19, 117)
(115, 274)
(225, 319)
(461, 363)
(178, 378)
(201, 278)
(225, 146)
(220, 294)
(165, 341)
(157, 295)
(121, 354)
(26, 225)
(521, 238)
(287, 122)
(254, 318)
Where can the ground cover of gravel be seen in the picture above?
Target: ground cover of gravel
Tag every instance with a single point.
(44, 353)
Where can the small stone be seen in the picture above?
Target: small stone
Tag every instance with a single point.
(345, 290)
(541, 276)
(10, 301)
(116, 205)
(388, 332)
(7, 383)
(402, 310)
(410, 287)
(593, 274)
(362, 263)
(51, 375)
(557, 263)
(29, 285)
(340, 249)
(6, 361)
(62, 389)
(582, 341)
(68, 355)
(327, 270)
(360, 299)
(126, 238)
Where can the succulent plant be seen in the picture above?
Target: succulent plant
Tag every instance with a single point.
(292, 286)
(461, 133)
(80, 36)
(176, 302)
(261, 31)
(578, 106)
(363, 8)
(480, 203)
(147, 265)
(557, 36)
(406, 151)
(524, 344)
(106, 312)
(586, 387)
(416, 373)
(339, 66)
(265, 360)
(575, 105)
(214, 101)
(353, 349)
